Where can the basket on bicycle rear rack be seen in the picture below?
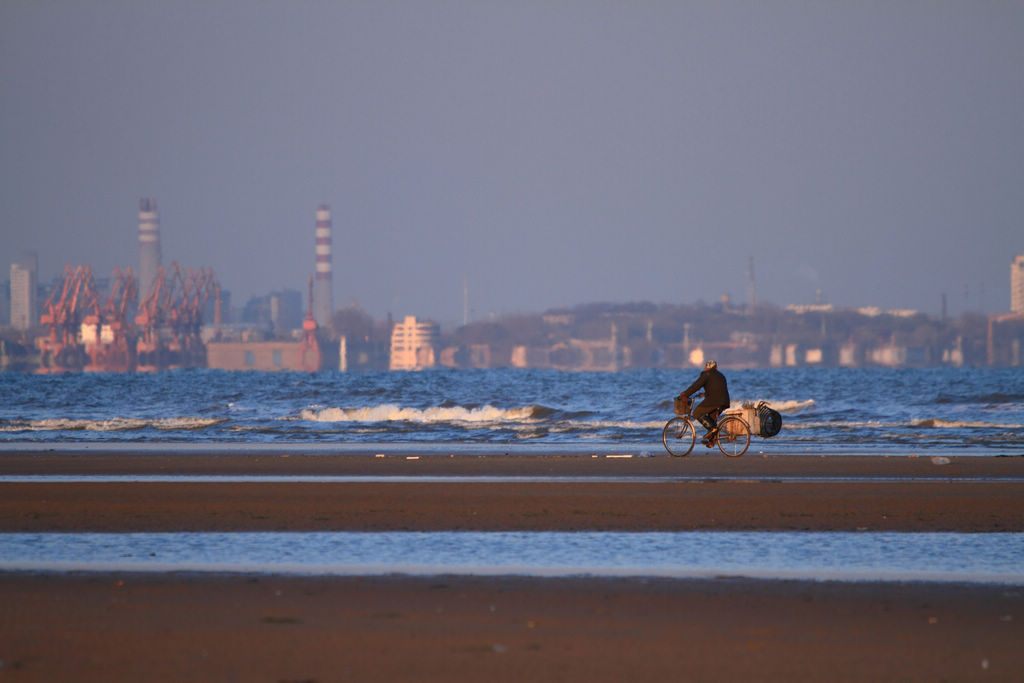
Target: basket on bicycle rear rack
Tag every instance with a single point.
(681, 405)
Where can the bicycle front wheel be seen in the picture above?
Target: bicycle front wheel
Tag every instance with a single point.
(678, 437)
(733, 436)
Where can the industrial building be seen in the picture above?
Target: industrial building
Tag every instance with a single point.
(267, 355)
(278, 312)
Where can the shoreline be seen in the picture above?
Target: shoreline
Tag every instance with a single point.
(759, 447)
(949, 580)
(472, 458)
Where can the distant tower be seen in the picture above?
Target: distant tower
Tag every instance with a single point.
(1017, 284)
(751, 286)
(149, 246)
(323, 307)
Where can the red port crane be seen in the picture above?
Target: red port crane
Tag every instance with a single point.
(88, 332)
(170, 319)
(68, 306)
(111, 344)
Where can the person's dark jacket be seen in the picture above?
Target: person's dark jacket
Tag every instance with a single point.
(716, 391)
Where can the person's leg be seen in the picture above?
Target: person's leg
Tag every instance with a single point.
(705, 415)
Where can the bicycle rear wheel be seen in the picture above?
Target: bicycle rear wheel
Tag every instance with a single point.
(733, 436)
(678, 437)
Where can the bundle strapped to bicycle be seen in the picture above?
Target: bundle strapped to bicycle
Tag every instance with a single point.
(769, 419)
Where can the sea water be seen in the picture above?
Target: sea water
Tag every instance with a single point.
(824, 411)
(970, 410)
(875, 556)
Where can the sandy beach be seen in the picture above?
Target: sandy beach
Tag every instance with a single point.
(115, 626)
(556, 492)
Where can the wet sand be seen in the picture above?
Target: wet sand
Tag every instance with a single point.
(207, 627)
(968, 494)
(445, 628)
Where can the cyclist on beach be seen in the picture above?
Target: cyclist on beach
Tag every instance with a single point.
(716, 396)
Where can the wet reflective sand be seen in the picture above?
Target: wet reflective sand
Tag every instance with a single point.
(124, 625)
(488, 493)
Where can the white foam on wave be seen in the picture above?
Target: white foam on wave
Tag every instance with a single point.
(114, 424)
(485, 415)
(436, 415)
(930, 423)
(842, 424)
(571, 425)
(962, 424)
(173, 423)
(789, 406)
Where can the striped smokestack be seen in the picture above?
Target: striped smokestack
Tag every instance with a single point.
(322, 304)
(149, 246)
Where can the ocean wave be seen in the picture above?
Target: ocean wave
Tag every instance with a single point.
(825, 408)
(526, 417)
(944, 399)
(963, 424)
(116, 424)
(790, 406)
(436, 415)
(571, 425)
(929, 423)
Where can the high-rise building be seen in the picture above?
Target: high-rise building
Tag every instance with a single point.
(1017, 284)
(412, 344)
(280, 312)
(149, 246)
(24, 311)
(323, 307)
(5, 303)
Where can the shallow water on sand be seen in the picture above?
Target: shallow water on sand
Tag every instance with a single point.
(851, 556)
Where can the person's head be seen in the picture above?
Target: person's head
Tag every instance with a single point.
(710, 365)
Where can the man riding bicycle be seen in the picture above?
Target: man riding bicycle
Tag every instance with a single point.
(716, 396)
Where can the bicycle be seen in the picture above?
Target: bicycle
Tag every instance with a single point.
(731, 434)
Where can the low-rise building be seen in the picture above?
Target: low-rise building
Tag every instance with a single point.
(265, 355)
(413, 344)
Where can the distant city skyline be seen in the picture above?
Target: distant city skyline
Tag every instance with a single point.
(536, 154)
(1015, 286)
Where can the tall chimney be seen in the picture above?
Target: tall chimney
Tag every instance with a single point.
(149, 246)
(323, 306)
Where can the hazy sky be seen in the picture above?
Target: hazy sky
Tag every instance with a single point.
(549, 152)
